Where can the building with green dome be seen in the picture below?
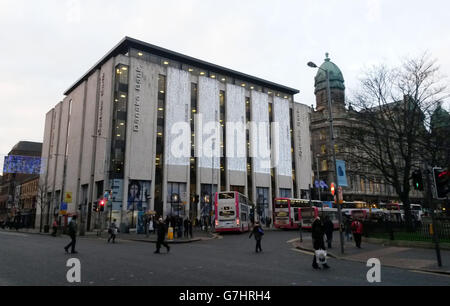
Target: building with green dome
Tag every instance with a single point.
(366, 186)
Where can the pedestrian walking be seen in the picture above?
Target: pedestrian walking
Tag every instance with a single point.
(348, 228)
(318, 243)
(186, 227)
(329, 228)
(258, 233)
(357, 230)
(55, 227)
(190, 228)
(151, 226)
(113, 230)
(73, 228)
(180, 227)
(161, 229)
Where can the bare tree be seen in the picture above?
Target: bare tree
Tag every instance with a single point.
(389, 132)
(43, 202)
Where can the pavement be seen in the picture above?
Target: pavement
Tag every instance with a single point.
(410, 258)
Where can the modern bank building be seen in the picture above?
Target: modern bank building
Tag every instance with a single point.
(162, 131)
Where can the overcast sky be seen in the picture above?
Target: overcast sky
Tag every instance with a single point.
(45, 46)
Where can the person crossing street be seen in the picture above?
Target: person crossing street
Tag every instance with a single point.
(73, 228)
(258, 233)
(318, 242)
(161, 232)
(112, 231)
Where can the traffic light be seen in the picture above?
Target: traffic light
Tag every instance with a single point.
(102, 204)
(417, 180)
(95, 206)
(333, 189)
(442, 181)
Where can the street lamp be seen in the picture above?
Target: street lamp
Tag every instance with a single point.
(206, 211)
(333, 149)
(318, 180)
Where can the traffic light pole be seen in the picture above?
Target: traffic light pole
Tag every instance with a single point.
(433, 218)
(333, 149)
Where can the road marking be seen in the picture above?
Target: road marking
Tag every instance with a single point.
(430, 273)
(14, 234)
(293, 240)
(304, 252)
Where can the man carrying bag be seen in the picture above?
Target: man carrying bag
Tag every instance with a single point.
(320, 254)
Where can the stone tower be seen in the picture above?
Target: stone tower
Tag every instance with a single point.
(336, 85)
(320, 127)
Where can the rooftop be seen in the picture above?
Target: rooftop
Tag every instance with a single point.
(126, 43)
(28, 146)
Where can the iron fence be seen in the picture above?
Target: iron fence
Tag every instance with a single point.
(421, 230)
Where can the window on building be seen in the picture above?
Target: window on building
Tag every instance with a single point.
(206, 200)
(223, 120)
(118, 143)
(363, 185)
(176, 197)
(324, 165)
(249, 158)
(322, 135)
(160, 144)
(262, 203)
(285, 193)
(193, 161)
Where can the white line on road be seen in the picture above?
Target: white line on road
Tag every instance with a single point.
(430, 273)
(293, 240)
(14, 234)
(304, 252)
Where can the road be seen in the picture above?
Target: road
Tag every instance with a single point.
(36, 260)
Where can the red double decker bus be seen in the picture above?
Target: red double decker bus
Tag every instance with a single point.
(290, 213)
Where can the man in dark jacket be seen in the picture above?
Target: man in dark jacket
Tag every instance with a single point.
(329, 228)
(73, 235)
(161, 230)
(318, 243)
(258, 233)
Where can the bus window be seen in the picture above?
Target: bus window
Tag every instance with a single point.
(226, 196)
(226, 211)
(281, 203)
(296, 215)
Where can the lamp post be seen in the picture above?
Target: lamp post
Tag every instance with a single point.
(318, 180)
(333, 149)
(206, 210)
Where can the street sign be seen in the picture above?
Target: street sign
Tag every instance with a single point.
(106, 195)
(63, 209)
(68, 197)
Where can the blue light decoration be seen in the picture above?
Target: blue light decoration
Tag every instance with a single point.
(23, 165)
